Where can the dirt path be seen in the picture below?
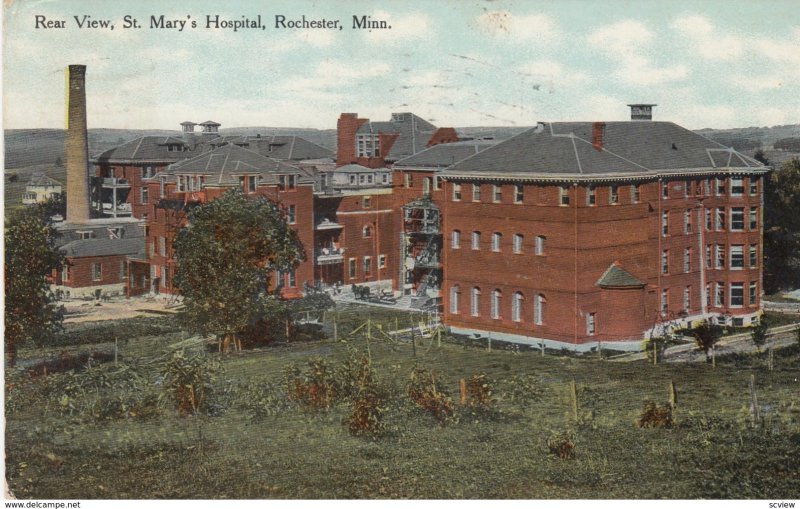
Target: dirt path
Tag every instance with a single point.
(116, 309)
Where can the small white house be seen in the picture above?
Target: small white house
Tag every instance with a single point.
(40, 189)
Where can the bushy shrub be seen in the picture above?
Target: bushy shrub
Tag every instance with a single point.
(369, 408)
(316, 389)
(189, 381)
(430, 395)
(264, 399)
(654, 415)
(759, 332)
(562, 445)
(479, 392)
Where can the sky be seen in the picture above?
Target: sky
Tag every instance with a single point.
(718, 64)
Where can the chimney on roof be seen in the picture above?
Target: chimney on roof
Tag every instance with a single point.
(76, 146)
(642, 111)
(598, 129)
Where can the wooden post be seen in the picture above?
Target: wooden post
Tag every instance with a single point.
(673, 399)
(754, 410)
(335, 332)
(439, 337)
(573, 395)
(655, 354)
(713, 356)
(462, 388)
(396, 325)
(489, 343)
(770, 359)
(116, 349)
(413, 342)
(542, 345)
(369, 328)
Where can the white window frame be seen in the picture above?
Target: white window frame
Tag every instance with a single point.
(518, 240)
(496, 296)
(497, 239)
(455, 239)
(476, 241)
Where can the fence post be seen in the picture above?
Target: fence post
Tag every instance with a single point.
(771, 359)
(673, 399)
(413, 342)
(438, 337)
(489, 343)
(462, 388)
(542, 345)
(335, 331)
(714, 356)
(573, 394)
(655, 354)
(754, 411)
(116, 348)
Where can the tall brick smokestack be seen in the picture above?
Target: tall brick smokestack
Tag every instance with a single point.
(76, 146)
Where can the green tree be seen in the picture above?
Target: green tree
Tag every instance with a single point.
(759, 333)
(782, 228)
(30, 256)
(706, 336)
(225, 257)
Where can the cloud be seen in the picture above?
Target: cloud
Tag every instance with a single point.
(520, 28)
(628, 42)
(551, 73)
(706, 40)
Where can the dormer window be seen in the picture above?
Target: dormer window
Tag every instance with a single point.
(287, 182)
(248, 183)
(175, 147)
(85, 235)
(367, 145)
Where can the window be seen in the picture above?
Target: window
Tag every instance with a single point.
(367, 145)
(352, 180)
(474, 304)
(408, 180)
(454, 291)
(664, 301)
(516, 307)
(753, 255)
(720, 256)
(181, 187)
(251, 183)
(720, 186)
(720, 224)
(123, 270)
(366, 202)
(382, 261)
(753, 218)
(456, 192)
(737, 218)
(496, 237)
(613, 194)
(370, 178)
(737, 186)
(635, 193)
(291, 214)
(97, 271)
(143, 195)
(426, 185)
(687, 298)
(517, 245)
(737, 257)
(366, 232)
(665, 223)
(385, 180)
(291, 278)
(709, 223)
(540, 245)
(367, 266)
(351, 268)
(162, 246)
(753, 292)
(519, 193)
(563, 195)
(737, 295)
(476, 192)
(707, 187)
(665, 261)
(538, 309)
(455, 239)
(437, 183)
(687, 259)
(686, 186)
(590, 324)
(164, 275)
(708, 294)
(591, 195)
(288, 182)
(708, 256)
(66, 272)
(665, 190)
(362, 179)
(754, 185)
(497, 193)
(719, 295)
(476, 240)
(147, 172)
(496, 304)
(687, 222)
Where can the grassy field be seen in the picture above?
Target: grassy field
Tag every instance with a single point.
(66, 436)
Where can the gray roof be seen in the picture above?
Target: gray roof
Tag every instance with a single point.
(444, 154)
(225, 163)
(289, 148)
(414, 133)
(42, 180)
(101, 229)
(357, 168)
(617, 277)
(146, 149)
(565, 149)
(102, 247)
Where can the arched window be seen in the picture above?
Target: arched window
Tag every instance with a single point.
(538, 309)
(454, 291)
(455, 240)
(474, 304)
(516, 307)
(367, 231)
(496, 294)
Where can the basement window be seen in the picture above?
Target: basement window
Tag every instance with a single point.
(590, 324)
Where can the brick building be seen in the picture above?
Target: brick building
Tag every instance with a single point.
(579, 233)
